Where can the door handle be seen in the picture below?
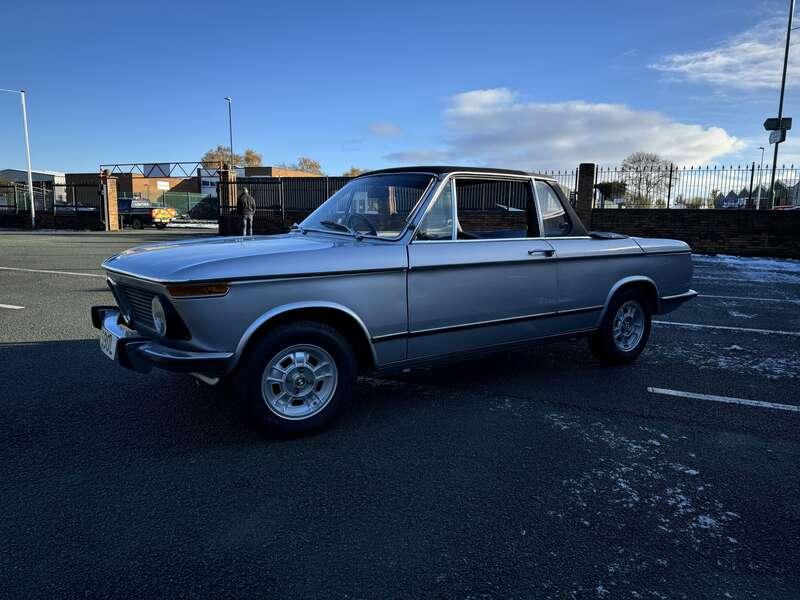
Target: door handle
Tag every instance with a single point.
(545, 252)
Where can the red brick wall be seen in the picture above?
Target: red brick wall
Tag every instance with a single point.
(741, 232)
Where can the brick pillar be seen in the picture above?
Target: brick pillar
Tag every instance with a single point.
(586, 174)
(227, 202)
(110, 207)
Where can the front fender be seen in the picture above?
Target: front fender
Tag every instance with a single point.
(283, 309)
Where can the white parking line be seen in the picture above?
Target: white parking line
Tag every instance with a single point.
(11, 306)
(728, 328)
(725, 399)
(51, 272)
(789, 300)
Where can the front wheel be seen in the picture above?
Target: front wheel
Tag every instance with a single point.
(625, 329)
(297, 378)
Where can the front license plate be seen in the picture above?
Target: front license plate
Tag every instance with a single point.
(108, 343)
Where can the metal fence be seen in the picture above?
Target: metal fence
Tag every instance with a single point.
(57, 206)
(280, 201)
(568, 180)
(717, 187)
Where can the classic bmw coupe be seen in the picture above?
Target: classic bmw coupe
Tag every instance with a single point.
(400, 268)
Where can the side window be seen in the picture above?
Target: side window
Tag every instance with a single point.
(495, 209)
(554, 218)
(438, 222)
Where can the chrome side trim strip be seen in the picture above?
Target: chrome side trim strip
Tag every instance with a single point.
(256, 278)
(449, 328)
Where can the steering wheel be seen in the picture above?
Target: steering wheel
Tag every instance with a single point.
(364, 220)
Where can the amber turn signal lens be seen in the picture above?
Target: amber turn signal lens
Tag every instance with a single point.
(198, 289)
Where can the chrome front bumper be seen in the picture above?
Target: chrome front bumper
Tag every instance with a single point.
(141, 354)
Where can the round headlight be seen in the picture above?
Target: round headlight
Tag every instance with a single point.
(159, 316)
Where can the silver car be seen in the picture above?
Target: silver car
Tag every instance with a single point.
(400, 268)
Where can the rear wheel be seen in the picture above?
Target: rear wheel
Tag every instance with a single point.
(625, 329)
(297, 378)
(137, 223)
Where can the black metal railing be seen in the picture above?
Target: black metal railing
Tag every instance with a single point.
(709, 187)
(57, 206)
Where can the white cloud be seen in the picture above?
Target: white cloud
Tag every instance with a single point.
(748, 61)
(494, 127)
(384, 129)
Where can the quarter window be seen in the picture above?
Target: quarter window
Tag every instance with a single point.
(554, 218)
(438, 222)
(495, 209)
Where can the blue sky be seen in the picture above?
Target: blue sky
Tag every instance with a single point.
(534, 85)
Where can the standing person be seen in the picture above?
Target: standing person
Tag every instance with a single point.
(246, 208)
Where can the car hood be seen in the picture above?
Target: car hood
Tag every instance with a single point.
(232, 258)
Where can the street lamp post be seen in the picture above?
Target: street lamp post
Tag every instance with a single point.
(230, 130)
(760, 168)
(780, 102)
(27, 152)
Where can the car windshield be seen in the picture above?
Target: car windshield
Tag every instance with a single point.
(375, 205)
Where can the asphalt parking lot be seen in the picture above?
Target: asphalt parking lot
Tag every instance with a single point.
(535, 474)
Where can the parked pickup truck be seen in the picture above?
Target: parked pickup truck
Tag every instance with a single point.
(139, 213)
(400, 268)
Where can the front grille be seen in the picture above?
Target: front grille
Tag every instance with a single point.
(139, 302)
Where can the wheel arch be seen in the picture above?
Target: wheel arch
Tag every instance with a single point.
(641, 282)
(340, 317)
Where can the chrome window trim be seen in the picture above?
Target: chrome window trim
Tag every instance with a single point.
(543, 239)
(450, 179)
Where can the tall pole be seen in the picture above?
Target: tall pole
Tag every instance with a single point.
(760, 167)
(230, 129)
(27, 150)
(780, 103)
(28, 157)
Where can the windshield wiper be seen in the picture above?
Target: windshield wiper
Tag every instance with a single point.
(341, 227)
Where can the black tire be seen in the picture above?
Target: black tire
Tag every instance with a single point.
(161, 225)
(247, 382)
(602, 342)
(137, 224)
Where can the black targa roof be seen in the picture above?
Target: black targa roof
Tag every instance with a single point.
(440, 169)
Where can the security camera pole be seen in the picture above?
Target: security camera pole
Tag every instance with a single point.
(780, 103)
(27, 152)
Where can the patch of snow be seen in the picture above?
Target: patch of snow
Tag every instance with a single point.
(684, 469)
(635, 474)
(706, 355)
(762, 270)
(740, 315)
(707, 522)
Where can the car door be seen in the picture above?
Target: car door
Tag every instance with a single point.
(587, 267)
(479, 275)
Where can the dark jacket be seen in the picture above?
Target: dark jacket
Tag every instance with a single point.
(245, 205)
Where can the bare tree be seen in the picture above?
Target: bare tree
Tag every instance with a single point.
(354, 172)
(647, 176)
(309, 165)
(222, 154)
